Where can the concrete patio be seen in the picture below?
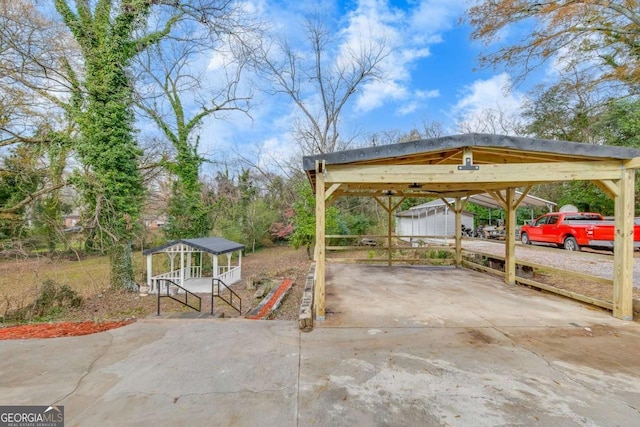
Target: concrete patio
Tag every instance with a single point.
(401, 346)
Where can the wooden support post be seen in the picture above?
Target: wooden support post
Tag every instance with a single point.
(458, 212)
(623, 247)
(457, 209)
(319, 292)
(389, 210)
(510, 237)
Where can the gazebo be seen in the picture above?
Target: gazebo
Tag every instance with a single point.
(187, 270)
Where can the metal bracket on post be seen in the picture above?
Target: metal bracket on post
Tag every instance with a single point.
(468, 165)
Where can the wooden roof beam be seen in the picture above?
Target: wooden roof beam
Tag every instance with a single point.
(519, 174)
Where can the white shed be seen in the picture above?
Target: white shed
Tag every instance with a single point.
(433, 219)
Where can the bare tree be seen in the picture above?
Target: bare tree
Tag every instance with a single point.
(34, 51)
(177, 90)
(490, 120)
(321, 87)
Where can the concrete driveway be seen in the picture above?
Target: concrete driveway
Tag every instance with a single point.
(402, 346)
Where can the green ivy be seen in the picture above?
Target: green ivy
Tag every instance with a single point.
(101, 105)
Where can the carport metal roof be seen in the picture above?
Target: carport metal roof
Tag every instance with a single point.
(460, 166)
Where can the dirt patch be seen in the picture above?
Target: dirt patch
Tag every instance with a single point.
(478, 337)
(602, 347)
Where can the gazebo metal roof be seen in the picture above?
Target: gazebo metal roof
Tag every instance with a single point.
(212, 245)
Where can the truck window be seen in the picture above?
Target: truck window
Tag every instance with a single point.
(541, 221)
(552, 219)
(593, 217)
(583, 217)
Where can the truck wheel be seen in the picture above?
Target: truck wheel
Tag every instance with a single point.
(571, 244)
(525, 239)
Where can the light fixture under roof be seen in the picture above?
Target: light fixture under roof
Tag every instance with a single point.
(415, 185)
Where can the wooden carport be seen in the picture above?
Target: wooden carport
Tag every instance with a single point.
(462, 165)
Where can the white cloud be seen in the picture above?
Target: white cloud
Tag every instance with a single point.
(407, 32)
(407, 36)
(489, 106)
(433, 17)
(412, 105)
(276, 153)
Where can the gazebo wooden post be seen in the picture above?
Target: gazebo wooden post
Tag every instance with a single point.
(149, 272)
(182, 265)
(319, 292)
(510, 237)
(172, 256)
(623, 247)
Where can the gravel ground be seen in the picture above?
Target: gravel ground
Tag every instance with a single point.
(594, 263)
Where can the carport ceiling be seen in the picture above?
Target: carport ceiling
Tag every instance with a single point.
(462, 165)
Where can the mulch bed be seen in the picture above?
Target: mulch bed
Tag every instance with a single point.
(54, 330)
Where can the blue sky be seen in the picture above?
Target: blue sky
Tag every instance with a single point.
(431, 75)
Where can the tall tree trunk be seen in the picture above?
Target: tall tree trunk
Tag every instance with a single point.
(121, 267)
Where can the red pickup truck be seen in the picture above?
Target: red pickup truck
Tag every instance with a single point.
(573, 230)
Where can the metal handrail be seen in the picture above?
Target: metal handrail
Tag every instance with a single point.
(231, 294)
(186, 295)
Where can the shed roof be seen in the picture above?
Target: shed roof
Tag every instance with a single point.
(484, 199)
(425, 206)
(212, 245)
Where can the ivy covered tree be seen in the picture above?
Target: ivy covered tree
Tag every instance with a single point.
(112, 188)
(110, 34)
(174, 94)
(19, 178)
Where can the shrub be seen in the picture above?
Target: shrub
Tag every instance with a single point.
(52, 301)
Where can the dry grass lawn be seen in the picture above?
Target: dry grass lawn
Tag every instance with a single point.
(20, 280)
